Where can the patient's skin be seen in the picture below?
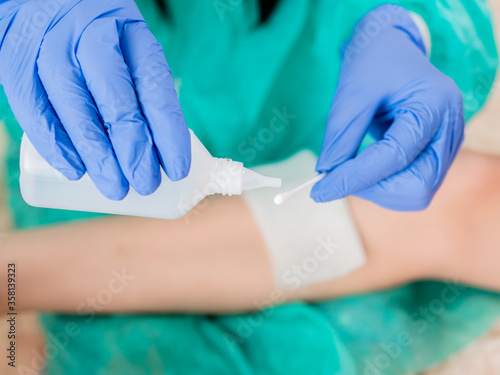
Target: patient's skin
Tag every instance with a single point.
(216, 261)
(457, 238)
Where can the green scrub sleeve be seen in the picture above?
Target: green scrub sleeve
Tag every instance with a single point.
(462, 37)
(463, 45)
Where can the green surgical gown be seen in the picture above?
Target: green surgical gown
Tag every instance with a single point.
(258, 93)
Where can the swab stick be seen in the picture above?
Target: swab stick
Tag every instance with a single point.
(285, 196)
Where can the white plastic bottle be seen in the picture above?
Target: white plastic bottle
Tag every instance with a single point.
(43, 186)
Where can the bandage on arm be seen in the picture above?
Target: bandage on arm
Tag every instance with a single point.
(308, 242)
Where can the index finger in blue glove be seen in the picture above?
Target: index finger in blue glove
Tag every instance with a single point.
(402, 143)
(29, 103)
(45, 131)
(63, 80)
(110, 84)
(158, 99)
(347, 124)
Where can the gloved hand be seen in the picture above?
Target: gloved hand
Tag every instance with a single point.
(387, 86)
(90, 86)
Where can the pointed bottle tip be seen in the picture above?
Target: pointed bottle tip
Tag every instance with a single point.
(253, 180)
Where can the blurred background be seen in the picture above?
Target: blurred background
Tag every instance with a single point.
(481, 357)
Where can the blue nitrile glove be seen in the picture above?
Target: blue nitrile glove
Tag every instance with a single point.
(90, 86)
(388, 87)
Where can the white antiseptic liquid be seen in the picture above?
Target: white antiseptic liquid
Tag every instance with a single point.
(43, 186)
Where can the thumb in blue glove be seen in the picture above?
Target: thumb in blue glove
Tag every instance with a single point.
(388, 87)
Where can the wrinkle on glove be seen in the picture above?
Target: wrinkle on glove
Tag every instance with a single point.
(90, 86)
(388, 87)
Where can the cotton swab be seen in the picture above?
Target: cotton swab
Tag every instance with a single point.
(285, 196)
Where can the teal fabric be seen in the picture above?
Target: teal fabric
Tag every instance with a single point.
(258, 94)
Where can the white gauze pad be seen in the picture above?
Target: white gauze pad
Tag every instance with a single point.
(308, 242)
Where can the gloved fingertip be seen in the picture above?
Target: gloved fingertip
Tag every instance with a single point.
(149, 188)
(179, 168)
(316, 198)
(326, 163)
(146, 177)
(72, 174)
(319, 198)
(65, 160)
(320, 166)
(116, 193)
(327, 190)
(321, 169)
(317, 193)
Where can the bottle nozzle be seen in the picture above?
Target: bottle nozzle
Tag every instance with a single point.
(253, 180)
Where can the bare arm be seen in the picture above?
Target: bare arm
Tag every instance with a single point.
(214, 262)
(457, 238)
(217, 261)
